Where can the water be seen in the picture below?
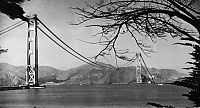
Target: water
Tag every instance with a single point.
(84, 96)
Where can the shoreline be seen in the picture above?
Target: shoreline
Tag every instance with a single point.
(4, 88)
(10, 88)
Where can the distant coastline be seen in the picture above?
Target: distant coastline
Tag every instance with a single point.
(13, 76)
(10, 88)
(52, 83)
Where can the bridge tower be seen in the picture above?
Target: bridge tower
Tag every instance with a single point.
(138, 68)
(32, 53)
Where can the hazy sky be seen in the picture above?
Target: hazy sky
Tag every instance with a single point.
(56, 14)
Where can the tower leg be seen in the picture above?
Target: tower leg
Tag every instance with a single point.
(32, 54)
(138, 68)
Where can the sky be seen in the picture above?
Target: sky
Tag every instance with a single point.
(57, 15)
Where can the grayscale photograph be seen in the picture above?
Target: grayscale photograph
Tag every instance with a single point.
(99, 53)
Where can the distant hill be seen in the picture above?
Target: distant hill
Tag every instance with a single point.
(85, 74)
(46, 74)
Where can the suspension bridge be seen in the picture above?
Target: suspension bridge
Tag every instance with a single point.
(32, 52)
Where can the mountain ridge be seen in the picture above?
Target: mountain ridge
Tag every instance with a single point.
(84, 74)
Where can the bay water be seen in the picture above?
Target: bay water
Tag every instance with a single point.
(96, 96)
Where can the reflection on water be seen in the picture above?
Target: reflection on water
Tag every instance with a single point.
(136, 95)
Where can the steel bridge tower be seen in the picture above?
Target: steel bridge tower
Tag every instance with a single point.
(138, 68)
(32, 53)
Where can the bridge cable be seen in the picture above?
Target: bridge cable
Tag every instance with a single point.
(63, 47)
(147, 73)
(68, 45)
(10, 28)
(146, 67)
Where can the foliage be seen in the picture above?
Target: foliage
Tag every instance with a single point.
(3, 50)
(150, 19)
(192, 82)
(159, 105)
(12, 8)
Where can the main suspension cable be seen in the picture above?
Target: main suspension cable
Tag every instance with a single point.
(146, 67)
(63, 47)
(10, 28)
(68, 45)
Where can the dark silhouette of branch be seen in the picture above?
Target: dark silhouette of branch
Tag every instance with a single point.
(151, 19)
(3, 50)
(13, 9)
(159, 105)
(193, 81)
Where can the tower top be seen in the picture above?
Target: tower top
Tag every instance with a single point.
(32, 16)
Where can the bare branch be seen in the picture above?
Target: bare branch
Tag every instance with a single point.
(144, 18)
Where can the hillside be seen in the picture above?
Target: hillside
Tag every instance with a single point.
(86, 74)
(8, 72)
